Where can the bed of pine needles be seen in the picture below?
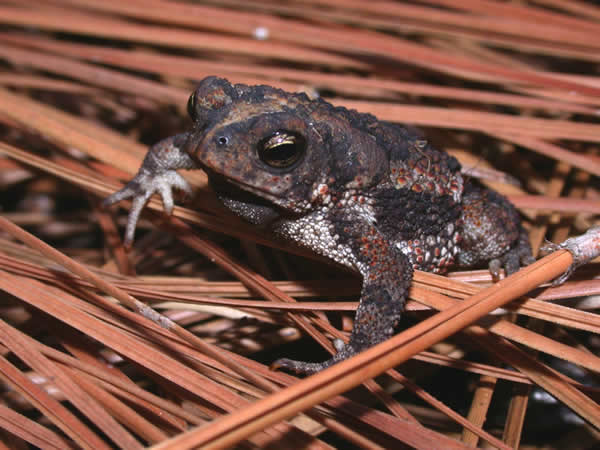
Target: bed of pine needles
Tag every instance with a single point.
(169, 344)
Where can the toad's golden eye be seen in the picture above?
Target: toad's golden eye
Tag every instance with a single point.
(282, 149)
(191, 106)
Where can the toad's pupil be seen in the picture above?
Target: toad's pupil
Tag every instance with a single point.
(191, 106)
(281, 149)
(223, 140)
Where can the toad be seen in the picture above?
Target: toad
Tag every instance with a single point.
(368, 194)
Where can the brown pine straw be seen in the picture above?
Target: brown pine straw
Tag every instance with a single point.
(30, 431)
(61, 416)
(77, 22)
(482, 369)
(119, 385)
(424, 356)
(578, 8)
(567, 317)
(91, 408)
(500, 44)
(333, 426)
(164, 322)
(479, 407)
(516, 415)
(228, 430)
(68, 130)
(492, 123)
(419, 437)
(286, 30)
(255, 74)
(260, 285)
(495, 24)
(130, 301)
(557, 204)
(553, 313)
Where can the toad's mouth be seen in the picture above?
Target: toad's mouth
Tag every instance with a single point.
(240, 189)
(250, 203)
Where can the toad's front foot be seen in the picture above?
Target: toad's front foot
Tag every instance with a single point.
(141, 188)
(157, 175)
(344, 351)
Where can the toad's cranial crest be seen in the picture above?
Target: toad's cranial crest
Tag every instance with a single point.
(367, 194)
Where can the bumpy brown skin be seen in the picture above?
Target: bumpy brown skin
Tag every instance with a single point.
(368, 194)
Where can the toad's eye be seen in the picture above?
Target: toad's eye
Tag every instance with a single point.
(282, 149)
(191, 106)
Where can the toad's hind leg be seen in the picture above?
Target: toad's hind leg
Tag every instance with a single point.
(492, 232)
(387, 275)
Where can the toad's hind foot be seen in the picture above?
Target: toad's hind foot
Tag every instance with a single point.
(492, 233)
(518, 256)
(344, 351)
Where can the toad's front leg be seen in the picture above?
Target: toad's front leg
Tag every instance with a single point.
(387, 274)
(157, 174)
